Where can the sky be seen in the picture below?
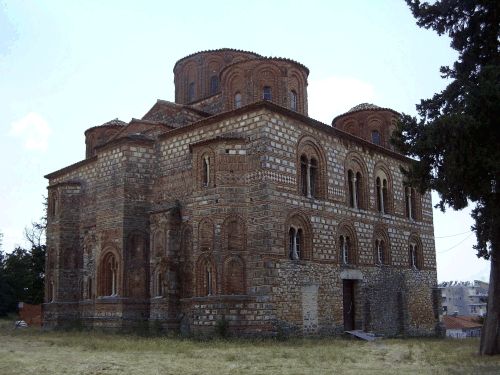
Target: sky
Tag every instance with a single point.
(68, 65)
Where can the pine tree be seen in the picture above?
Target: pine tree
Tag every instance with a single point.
(456, 140)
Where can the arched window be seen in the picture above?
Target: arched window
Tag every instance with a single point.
(293, 100)
(158, 283)
(380, 251)
(382, 197)
(376, 139)
(214, 85)
(347, 245)
(266, 93)
(109, 275)
(298, 238)
(385, 196)
(303, 174)
(411, 199)
(413, 255)
(309, 176)
(90, 291)
(206, 279)
(355, 182)
(237, 100)
(191, 92)
(345, 249)
(206, 171)
(378, 190)
(352, 194)
(296, 244)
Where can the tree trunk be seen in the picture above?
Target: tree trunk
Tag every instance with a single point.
(490, 334)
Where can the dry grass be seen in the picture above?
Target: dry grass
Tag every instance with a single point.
(34, 352)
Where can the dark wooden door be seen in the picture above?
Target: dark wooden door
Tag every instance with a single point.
(348, 292)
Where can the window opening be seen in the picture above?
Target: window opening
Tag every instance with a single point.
(266, 93)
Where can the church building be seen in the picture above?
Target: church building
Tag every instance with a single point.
(232, 205)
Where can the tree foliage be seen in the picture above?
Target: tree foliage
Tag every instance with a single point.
(21, 277)
(455, 142)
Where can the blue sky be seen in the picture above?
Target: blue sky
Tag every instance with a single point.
(66, 66)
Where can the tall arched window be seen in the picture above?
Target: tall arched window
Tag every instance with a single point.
(345, 249)
(380, 251)
(90, 291)
(381, 186)
(214, 85)
(355, 182)
(266, 93)
(376, 138)
(411, 199)
(296, 243)
(309, 176)
(158, 283)
(293, 100)
(206, 171)
(206, 279)
(237, 100)
(109, 275)
(415, 255)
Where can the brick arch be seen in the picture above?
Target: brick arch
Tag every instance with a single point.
(206, 276)
(310, 148)
(382, 170)
(109, 272)
(347, 231)
(375, 123)
(234, 82)
(234, 234)
(298, 83)
(414, 239)
(380, 233)
(234, 275)
(188, 76)
(214, 65)
(355, 163)
(206, 234)
(266, 73)
(351, 126)
(295, 221)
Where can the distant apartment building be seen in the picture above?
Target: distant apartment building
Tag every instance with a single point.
(464, 298)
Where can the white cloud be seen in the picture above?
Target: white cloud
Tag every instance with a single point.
(335, 95)
(33, 130)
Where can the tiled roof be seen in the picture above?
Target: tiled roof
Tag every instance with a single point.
(113, 123)
(364, 107)
(216, 50)
(460, 322)
(268, 59)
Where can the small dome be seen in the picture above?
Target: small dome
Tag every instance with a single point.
(115, 122)
(364, 107)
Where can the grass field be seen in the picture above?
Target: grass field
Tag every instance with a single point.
(31, 351)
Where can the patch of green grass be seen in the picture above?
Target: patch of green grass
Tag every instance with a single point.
(33, 351)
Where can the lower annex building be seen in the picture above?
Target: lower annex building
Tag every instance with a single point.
(232, 203)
